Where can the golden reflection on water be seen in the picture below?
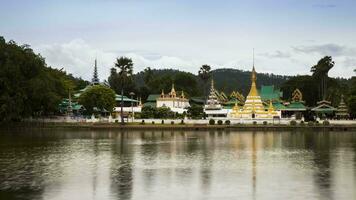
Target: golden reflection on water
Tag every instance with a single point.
(177, 165)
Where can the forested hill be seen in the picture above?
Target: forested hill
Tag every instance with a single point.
(229, 79)
(226, 79)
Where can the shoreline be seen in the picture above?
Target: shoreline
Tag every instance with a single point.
(186, 127)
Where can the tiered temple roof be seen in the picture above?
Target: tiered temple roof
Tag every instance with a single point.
(213, 102)
(297, 103)
(342, 111)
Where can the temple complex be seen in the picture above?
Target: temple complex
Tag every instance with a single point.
(253, 107)
(172, 100)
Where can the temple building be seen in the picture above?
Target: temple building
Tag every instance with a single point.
(296, 107)
(213, 102)
(172, 100)
(342, 111)
(324, 109)
(213, 107)
(253, 107)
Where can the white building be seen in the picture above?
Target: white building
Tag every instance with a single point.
(172, 100)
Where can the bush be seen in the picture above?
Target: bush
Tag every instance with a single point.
(326, 123)
(220, 122)
(302, 122)
(162, 122)
(153, 122)
(310, 123)
(143, 121)
(227, 122)
(116, 121)
(182, 121)
(211, 121)
(195, 112)
(293, 123)
(172, 122)
(254, 122)
(265, 122)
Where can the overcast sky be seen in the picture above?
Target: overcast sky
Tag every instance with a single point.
(289, 36)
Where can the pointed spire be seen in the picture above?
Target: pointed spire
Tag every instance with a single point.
(95, 79)
(270, 108)
(253, 90)
(140, 102)
(253, 58)
(182, 96)
(173, 91)
(162, 93)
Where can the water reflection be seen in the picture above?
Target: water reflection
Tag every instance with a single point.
(177, 165)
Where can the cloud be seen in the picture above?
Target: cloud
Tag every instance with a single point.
(324, 5)
(325, 49)
(277, 54)
(77, 57)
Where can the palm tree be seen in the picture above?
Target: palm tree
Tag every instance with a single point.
(320, 71)
(125, 70)
(205, 74)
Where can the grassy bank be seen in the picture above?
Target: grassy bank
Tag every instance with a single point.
(188, 127)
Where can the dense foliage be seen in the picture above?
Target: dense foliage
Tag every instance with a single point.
(318, 86)
(152, 81)
(98, 98)
(195, 112)
(161, 113)
(28, 87)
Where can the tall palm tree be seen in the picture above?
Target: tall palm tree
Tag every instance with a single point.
(205, 74)
(320, 71)
(125, 71)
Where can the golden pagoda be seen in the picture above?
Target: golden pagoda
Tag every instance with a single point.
(253, 107)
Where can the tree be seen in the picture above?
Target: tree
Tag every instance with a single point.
(98, 97)
(147, 75)
(320, 72)
(204, 74)
(125, 67)
(195, 111)
(28, 87)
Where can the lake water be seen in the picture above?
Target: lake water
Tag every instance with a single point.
(156, 165)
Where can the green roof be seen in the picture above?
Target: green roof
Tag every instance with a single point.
(296, 106)
(198, 100)
(125, 98)
(153, 97)
(324, 108)
(278, 106)
(149, 104)
(268, 92)
(232, 102)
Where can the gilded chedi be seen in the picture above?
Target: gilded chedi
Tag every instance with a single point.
(253, 107)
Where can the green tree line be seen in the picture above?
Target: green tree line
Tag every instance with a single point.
(28, 87)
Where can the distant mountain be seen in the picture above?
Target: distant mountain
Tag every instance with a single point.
(226, 79)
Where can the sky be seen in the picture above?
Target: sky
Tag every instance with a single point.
(288, 36)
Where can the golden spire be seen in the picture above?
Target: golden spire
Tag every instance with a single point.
(270, 108)
(162, 93)
(183, 96)
(253, 90)
(173, 91)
